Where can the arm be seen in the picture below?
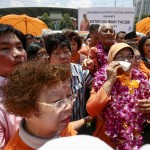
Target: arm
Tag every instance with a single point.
(99, 100)
(77, 125)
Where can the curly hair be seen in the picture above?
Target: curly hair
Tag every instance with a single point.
(26, 83)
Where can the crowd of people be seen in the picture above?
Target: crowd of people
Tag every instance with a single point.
(60, 85)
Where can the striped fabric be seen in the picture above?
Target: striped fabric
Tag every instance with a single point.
(81, 80)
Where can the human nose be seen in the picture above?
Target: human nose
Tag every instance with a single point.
(62, 55)
(18, 55)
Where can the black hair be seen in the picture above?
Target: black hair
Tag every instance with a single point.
(33, 49)
(93, 28)
(29, 36)
(54, 40)
(141, 46)
(120, 32)
(74, 36)
(5, 28)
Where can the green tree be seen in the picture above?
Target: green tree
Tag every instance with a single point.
(47, 20)
(66, 23)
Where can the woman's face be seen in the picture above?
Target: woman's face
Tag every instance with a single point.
(146, 48)
(12, 53)
(125, 55)
(74, 47)
(53, 116)
(61, 56)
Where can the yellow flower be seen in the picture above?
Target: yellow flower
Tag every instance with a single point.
(131, 84)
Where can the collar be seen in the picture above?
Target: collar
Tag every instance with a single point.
(74, 70)
(31, 140)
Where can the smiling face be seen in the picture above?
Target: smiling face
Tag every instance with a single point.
(12, 53)
(52, 118)
(106, 35)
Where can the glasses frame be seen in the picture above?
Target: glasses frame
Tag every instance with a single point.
(61, 103)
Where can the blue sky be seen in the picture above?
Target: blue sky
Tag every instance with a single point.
(65, 3)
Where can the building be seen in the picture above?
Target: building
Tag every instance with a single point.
(144, 8)
(55, 13)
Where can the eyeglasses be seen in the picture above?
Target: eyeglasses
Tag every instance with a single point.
(61, 104)
(122, 58)
(106, 31)
(137, 58)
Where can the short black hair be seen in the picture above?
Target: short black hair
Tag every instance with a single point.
(93, 28)
(54, 40)
(33, 49)
(120, 32)
(5, 28)
(141, 46)
(74, 36)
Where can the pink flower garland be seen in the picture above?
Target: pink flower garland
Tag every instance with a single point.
(123, 122)
(100, 74)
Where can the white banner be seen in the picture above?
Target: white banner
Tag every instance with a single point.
(122, 19)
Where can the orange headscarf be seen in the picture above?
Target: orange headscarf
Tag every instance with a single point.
(114, 49)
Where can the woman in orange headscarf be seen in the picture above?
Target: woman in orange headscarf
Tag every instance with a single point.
(114, 97)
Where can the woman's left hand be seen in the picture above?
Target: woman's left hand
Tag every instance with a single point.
(144, 105)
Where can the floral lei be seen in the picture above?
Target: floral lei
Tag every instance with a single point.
(123, 122)
(100, 74)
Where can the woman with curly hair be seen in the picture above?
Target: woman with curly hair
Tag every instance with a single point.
(35, 91)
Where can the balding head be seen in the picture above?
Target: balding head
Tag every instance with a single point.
(106, 35)
(104, 25)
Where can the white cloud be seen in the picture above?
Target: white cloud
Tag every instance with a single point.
(79, 3)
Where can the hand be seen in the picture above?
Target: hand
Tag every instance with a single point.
(88, 119)
(144, 105)
(88, 64)
(112, 71)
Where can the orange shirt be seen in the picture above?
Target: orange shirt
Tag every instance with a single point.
(95, 105)
(78, 58)
(143, 68)
(16, 143)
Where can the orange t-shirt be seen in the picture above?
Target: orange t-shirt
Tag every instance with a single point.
(16, 143)
(94, 106)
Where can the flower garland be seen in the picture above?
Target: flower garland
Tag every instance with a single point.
(123, 122)
(100, 74)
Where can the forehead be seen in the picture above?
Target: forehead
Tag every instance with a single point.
(106, 26)
(9, 38)
(147, 41)
(56, 90)
(125, 50)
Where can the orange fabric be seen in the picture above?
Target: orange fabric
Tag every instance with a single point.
(16, 142)
(143, 68)
(24, 23)
(94, 106)
(78, 58)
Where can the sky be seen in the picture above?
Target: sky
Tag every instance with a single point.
(66, 3)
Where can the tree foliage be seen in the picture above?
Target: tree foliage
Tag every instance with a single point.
(66, 23)
(47, 20)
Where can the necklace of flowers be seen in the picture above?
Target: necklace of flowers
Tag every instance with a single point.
(100, 74)
(123, 122)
